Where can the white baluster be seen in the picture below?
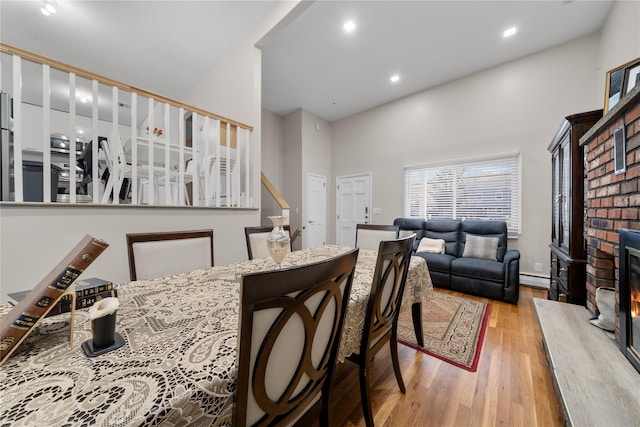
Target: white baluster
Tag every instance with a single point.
(168, 199)
(228, 166)
(72, 139)
(133, 184)
(46, 133)
(247, 162)
(150, 161)
(206, 162)
(115, 148)
(95, 170)
(216, 166)
(197, 160)
(17, 128)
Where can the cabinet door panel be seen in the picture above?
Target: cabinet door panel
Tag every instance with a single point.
(555, 200)
(565, 198)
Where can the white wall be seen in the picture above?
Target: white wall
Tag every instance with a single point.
(292, 173)
(515, 106)
(36, 238)
(271, 161)
(619, 40)
(305, 149)
(316, 159)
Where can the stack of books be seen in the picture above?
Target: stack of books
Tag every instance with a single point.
(88, 291)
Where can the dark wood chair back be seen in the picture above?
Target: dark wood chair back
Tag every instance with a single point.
(369, 236)
(256, 238)
(163, 253)
(290, 329)
(383, 309)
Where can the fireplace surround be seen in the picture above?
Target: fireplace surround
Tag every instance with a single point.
(630, 296)
(612, 203)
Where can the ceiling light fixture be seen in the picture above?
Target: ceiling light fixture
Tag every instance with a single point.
(395, 78)
(49, 7)
(509, 32)
(349, 26)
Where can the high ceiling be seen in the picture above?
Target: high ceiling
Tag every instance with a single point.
(167, 46)
(161, 46)
(315, 65)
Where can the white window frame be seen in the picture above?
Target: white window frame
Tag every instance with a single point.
(419, 203)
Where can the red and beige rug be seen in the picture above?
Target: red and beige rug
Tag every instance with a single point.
(453, 326)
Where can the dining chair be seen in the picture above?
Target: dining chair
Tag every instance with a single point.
(218, 172)
(290, 329)
(208, 187)
(381, 319)
(163, 253)
(256, 238)
(121, 169)
(116, 165)
(369, 236)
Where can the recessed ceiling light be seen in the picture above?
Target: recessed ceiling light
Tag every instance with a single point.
(509, 32)
(49, 7)
(349, 26)
(395, 78)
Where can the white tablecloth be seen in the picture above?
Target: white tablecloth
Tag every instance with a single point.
(178, 362)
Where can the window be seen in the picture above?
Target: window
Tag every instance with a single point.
(487, 188)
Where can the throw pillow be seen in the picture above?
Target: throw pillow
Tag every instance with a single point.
(435, 246)
(481, 247)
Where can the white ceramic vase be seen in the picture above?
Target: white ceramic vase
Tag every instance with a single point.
(278, 240)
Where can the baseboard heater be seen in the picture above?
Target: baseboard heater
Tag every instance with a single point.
(534, 280)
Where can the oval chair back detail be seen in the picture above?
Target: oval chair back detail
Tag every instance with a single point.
(290, 329)
(383, 309)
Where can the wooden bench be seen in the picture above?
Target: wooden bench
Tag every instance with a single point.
(595, 384)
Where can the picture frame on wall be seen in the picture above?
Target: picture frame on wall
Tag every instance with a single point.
(632, 76)
(619, 81)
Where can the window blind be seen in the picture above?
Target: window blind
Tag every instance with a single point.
(474, 189)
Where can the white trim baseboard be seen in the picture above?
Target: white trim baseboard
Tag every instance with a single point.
(534, 280)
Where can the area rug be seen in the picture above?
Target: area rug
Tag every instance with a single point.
(453, 329)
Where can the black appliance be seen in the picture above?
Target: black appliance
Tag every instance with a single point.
(60, 146)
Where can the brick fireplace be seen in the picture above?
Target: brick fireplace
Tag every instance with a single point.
(612, 200)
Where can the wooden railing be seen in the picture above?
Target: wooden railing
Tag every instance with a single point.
(286, 210)
(274, 193)
(136, 147)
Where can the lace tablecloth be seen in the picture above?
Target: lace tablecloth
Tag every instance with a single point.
(177, 366)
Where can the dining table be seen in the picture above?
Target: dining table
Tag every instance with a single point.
(178, 362)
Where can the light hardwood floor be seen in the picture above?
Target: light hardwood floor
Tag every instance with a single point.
(512, 386)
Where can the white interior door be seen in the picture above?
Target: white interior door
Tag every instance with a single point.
(353, 206)
(316, 228)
